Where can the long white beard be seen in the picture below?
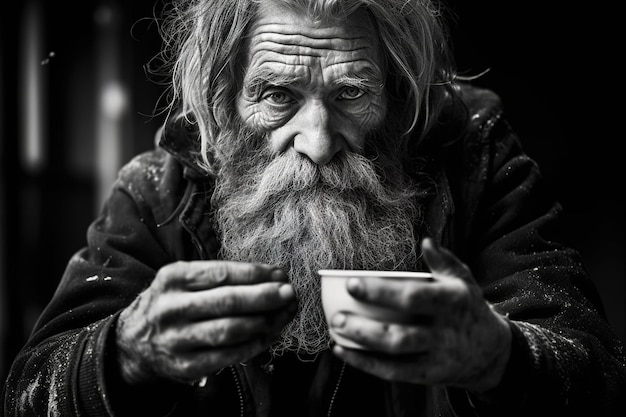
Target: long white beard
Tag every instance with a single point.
(285, 210)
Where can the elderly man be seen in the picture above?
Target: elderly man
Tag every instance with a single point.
(321, 134)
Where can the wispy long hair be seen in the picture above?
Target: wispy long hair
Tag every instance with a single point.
(204, 43)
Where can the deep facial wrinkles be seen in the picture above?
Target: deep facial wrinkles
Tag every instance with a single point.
(322, 58)
(298, 69)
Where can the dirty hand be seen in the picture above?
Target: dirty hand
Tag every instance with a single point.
(198, 317)
(454, 339)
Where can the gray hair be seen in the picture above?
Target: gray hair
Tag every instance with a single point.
(204, 41)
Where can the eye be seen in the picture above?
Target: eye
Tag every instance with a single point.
(351, 93)
(277, 96)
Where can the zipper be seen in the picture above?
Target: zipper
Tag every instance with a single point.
(239, 389)
(332, 399)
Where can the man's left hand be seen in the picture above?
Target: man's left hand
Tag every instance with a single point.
(454, 339)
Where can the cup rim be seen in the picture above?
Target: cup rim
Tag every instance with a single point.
(340, 273)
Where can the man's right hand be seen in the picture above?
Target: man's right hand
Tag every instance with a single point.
(198, 317)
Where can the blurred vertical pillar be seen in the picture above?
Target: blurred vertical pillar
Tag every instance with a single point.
(112, 119)
(33, 91)
(32, 164)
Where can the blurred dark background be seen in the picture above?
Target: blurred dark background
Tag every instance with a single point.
(76, 103)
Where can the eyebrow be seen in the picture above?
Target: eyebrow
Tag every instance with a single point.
(260, 77)
(367, 78)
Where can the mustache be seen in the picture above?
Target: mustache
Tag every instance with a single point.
(291, 175)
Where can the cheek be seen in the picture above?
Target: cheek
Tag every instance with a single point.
(280, 139)
(359, 120)
(371, 116)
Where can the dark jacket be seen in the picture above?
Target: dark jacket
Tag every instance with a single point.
(488, 204)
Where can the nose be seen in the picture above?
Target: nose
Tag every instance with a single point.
(317, 137)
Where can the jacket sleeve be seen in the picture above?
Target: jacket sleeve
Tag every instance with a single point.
(66, 367)
(566, 360)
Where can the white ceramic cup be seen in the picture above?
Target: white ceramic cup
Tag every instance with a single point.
(336, 298)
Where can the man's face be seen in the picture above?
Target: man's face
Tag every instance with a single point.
(316, 87)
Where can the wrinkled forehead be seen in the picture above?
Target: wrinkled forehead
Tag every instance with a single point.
(279, 29)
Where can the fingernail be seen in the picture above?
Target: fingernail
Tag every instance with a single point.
(338, 320)
(355, 286)
(278, 275)
(432, 242)
(286, 292)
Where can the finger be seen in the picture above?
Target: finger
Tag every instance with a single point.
(442, 262)
(226, 301)
(226, 332)
(407, 368)
(390, 338)
(202, 275)
(415, 297)
(215, 333)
